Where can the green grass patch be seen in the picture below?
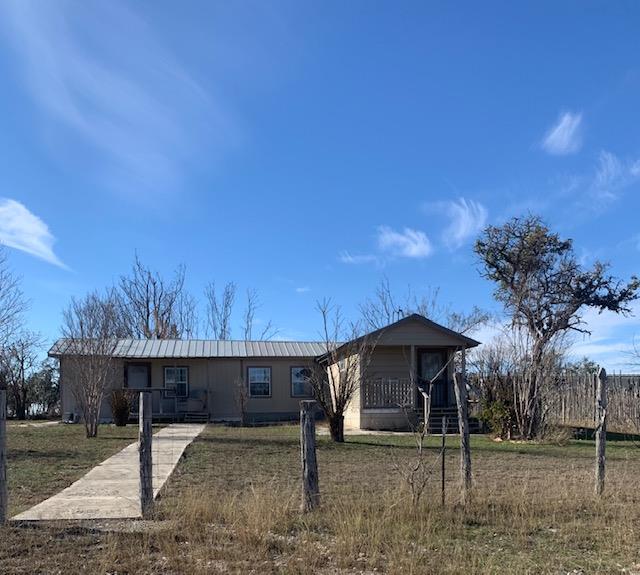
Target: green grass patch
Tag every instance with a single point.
(44, 459)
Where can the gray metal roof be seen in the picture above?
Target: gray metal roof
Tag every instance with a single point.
(202, 348)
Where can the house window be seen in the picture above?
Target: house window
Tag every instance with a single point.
(259, 381)
(300, 385)
(176, 381)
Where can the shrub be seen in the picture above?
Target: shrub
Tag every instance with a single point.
(120, 401)
(497, 416)
(557, 435)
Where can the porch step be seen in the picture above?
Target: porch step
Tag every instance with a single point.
(196, 417)
(451, 413)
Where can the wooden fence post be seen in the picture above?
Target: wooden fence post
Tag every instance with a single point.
(463, 426)
(145, 435)
(4, 491)
(310, 486)
(444, 452)
(601, 429)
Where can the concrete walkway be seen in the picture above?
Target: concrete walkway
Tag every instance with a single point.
(111, 490)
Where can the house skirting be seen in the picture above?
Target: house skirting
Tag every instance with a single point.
(387, 419)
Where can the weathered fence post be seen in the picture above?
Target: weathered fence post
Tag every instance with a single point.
(463, 426)
(601, 429)
(444, 452)
(145, 435)
(310, 486)
(4, 491)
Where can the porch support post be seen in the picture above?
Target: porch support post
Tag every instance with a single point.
(463, 366)
(414, 376)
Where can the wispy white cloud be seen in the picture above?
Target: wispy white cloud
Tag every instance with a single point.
(24, 231)
(407, 244)
(99, 71)
(303, 289)
(348, 258)
(565, 136)
(612, 176)
(466, 219)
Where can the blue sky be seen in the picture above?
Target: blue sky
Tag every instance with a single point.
(306, 149)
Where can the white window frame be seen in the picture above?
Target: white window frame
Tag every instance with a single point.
(249, 382)
(309, 391)
(172, 390)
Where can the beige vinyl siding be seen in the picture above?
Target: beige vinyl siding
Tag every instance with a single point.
(389, 362)
(223, 377)
(68, 403)
(395, 362)
(353, 410)
(416, 333)
(211, 381)
(281, 400)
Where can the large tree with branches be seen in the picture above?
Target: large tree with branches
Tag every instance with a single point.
(152, 306)
(544, 290)
(12, 302)
(386, 306)
(219, 309)
(336, 377)
(18, 362)
(90, 329)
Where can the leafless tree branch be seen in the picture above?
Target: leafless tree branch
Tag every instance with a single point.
(220, 309)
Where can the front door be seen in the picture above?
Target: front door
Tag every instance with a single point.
(431, 362)
(137, 377)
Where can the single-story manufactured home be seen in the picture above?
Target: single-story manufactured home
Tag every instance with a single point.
(199, 380)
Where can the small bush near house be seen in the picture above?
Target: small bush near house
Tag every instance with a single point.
(120, 401)
(497, 417)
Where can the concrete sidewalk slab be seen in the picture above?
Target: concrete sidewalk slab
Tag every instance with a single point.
(111, 489)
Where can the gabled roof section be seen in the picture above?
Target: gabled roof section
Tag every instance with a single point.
(199, 348)
(459, 338)
(430, 334)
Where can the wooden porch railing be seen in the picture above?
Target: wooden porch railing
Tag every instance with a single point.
(387, 393)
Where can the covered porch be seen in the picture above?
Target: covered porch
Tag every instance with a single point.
(394, 384)
(397, 400)
(174, 397)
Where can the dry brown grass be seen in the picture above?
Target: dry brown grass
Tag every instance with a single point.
(232, 507)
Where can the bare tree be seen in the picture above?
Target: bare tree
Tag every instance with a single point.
(153, 307)
(336, 378)
(249, 319)
(18, 361)
(44, 385)
(417, 471)
(493, 366)
(186, 316)
(544, 289)
(219, 309)
(90, 328)
(12, 302)
(384, 308)
(241, 398)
